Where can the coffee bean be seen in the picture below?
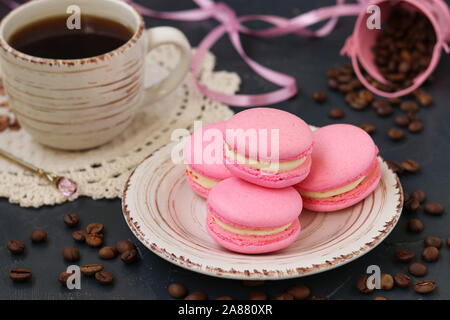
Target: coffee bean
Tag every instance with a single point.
(129, 256)
(63, 276)
(20, 274)
(387, 282)
(333, 84)
(319, 298)
(419, 195)
(71, 254)
(91, 269)
(344, 78)
(283, 296)
(258, 295)
(384, 111)
(355, 101)
(402, 121)
(16, 246)
(104, 277)
(71, 220)
(299, 292)
(406, 196)
(38, 236)
(94, 228)
(379, 298)
(402, 280)
(409, 106)
(432, 241)
(434, 208)
(320, 96)
(395, 166)
(79, 236)
(430, 254)
(417, 269)
(336, 113)
(380, 104)
(448, 241)
(395, 101)
(124, 245)
(177, 290)
(369, 128)
(410, 166)
(362, 285)
(252, 283)
(396, 134)
(333, 73)
(94, 240)
(224, 298)
(404, 255)
(415, 225)
(196, 296)
(415, 127)
(107, 253)
(412, 205)
(424, 286)
(423, 98)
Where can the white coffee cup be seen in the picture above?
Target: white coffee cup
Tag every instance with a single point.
(83, 103)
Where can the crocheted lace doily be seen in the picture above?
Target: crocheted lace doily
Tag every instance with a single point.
(102, 172)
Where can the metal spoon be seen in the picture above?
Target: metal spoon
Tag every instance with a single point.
(65, 185)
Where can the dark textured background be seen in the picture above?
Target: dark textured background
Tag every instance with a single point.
(308, 60)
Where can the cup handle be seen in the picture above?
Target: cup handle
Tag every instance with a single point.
(167, 35)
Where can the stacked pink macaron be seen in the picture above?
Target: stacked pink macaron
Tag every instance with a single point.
(271, 160)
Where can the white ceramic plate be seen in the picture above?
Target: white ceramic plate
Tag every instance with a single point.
(168, 218)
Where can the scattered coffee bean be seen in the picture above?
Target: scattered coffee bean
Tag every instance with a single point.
(91, 269)
(424, 286)
(333, 84)
(196, 296)
(402, 280)
(417, 269)
(396, 134)
(104, 277)
(415, 126)
(283, 296)
(299, 292)
(369, 128)
(319, 298)
(412, 204)
(63, 276)
(387, 282)
(71, 254)
(404, 255)
(71, 220)
(395, 101)
(432, 241)
(177, 290)
(258, 295)
(409, 106)
(362, 285)
(423, 98)
(320, 96)
(448, 241)
(430, 254)
(410, 166)
(379, 298)
(406, 196)
(336, 113)
(16, 246)
(79, 236)
(434, 208)
(94, 228)
(94, 240)
(380, 104)
(252, 283)
(38, 236)
(124, 245)
(129, 256)
(415, 225)
(419, 195)
(402, 121)
(224, 298)
(107, 253)
(20, 274)
(384, 110)
(395, 166)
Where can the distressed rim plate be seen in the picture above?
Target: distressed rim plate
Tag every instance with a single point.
(169, 219)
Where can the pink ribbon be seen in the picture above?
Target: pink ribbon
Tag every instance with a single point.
(232, 25)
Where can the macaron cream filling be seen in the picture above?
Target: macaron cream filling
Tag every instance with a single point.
(269, 166)
(338, 191)
(250, 231)
(203, 181)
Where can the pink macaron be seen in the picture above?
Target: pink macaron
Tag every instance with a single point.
(344, 170)
(268, 147)
(251, 219)
(204, 159)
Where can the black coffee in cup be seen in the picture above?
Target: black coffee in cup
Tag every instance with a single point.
(51, 37)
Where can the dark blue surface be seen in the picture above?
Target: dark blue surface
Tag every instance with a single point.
(308, 60)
